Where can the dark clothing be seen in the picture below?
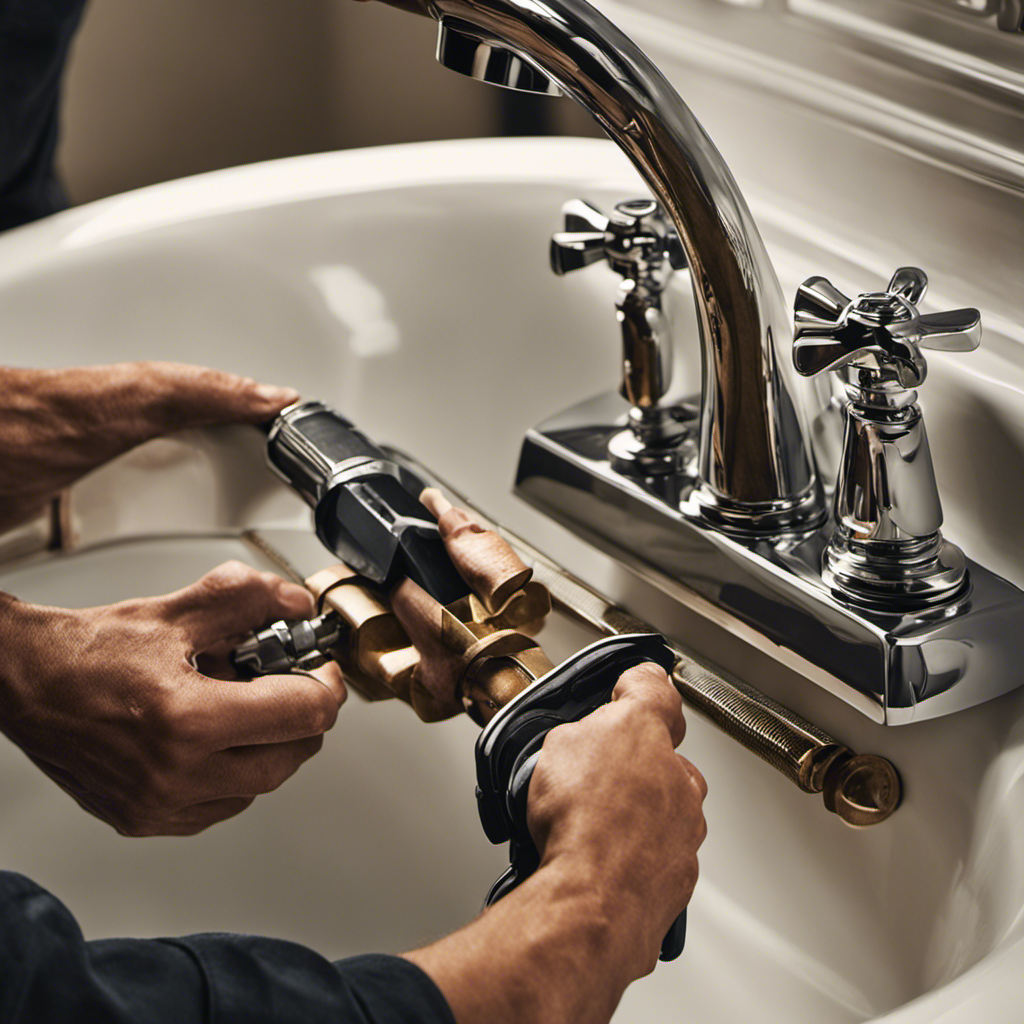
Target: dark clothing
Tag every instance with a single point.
(35, 36)
(50, 975)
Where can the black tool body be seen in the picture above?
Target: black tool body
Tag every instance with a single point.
(365, 504)
(509, 747)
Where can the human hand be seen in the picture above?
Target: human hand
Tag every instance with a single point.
(616, 814)
(611, 799)
(58, 425)
(108, 703)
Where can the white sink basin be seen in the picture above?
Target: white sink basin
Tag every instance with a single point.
(409, 288)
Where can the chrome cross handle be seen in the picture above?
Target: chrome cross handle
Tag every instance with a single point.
(887, 550)
(637, 240)
(639, 243)
(879, 333)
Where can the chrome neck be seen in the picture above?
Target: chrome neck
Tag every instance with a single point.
(756, 467)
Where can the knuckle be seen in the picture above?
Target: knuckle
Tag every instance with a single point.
(151, 793)
(322, 713)
(266, 781)
(192, 828)
(698, 781)
(232, 576)
(226, 583)
(274, 767)
(134, 827)
(694, 870)
(679, 725)
(559, 743)
(669, 702)
(271, 775)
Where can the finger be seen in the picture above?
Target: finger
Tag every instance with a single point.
(267, 709)
(436, 503)
(234, 599)
(485, 560)
(330, 675)
(176, 396)
(698, 779)
(215, 660)
(648, 686)
(216, 663)
(194, 819)
(251, 771)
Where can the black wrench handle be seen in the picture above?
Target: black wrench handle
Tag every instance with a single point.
(509, 748)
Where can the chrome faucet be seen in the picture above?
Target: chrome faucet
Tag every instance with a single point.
(866, 599)
(755, 464)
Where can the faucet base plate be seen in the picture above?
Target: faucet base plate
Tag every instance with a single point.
(934, 574)
(894, 666)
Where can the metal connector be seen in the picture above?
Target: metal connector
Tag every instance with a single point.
(285, 646)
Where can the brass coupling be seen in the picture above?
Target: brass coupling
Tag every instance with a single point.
(485, 658)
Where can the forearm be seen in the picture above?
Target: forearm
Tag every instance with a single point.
(560, 949)
(48, 972)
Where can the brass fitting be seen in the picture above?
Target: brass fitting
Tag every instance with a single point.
(489, 654)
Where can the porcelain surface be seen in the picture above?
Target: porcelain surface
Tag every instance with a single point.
(409, 287)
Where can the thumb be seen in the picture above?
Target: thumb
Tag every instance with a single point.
(231, 600)
(648, 686)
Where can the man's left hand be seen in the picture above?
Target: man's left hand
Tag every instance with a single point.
(58, 425)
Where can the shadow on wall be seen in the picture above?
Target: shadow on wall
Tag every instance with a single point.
(158, 91)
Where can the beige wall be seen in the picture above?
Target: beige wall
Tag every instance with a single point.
(158, 90)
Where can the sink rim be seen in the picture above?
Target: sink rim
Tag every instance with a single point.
(275, 183)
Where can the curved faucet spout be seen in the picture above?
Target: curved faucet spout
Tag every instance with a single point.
(756, 466)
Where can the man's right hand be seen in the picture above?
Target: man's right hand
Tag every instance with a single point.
(617, 816)
(616, 774)
(109, 703)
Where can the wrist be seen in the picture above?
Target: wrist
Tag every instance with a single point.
(559, 949)
(27, 633)
(615, 901)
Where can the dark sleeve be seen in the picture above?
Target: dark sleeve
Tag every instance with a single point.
(49, 973)
(35, 36)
